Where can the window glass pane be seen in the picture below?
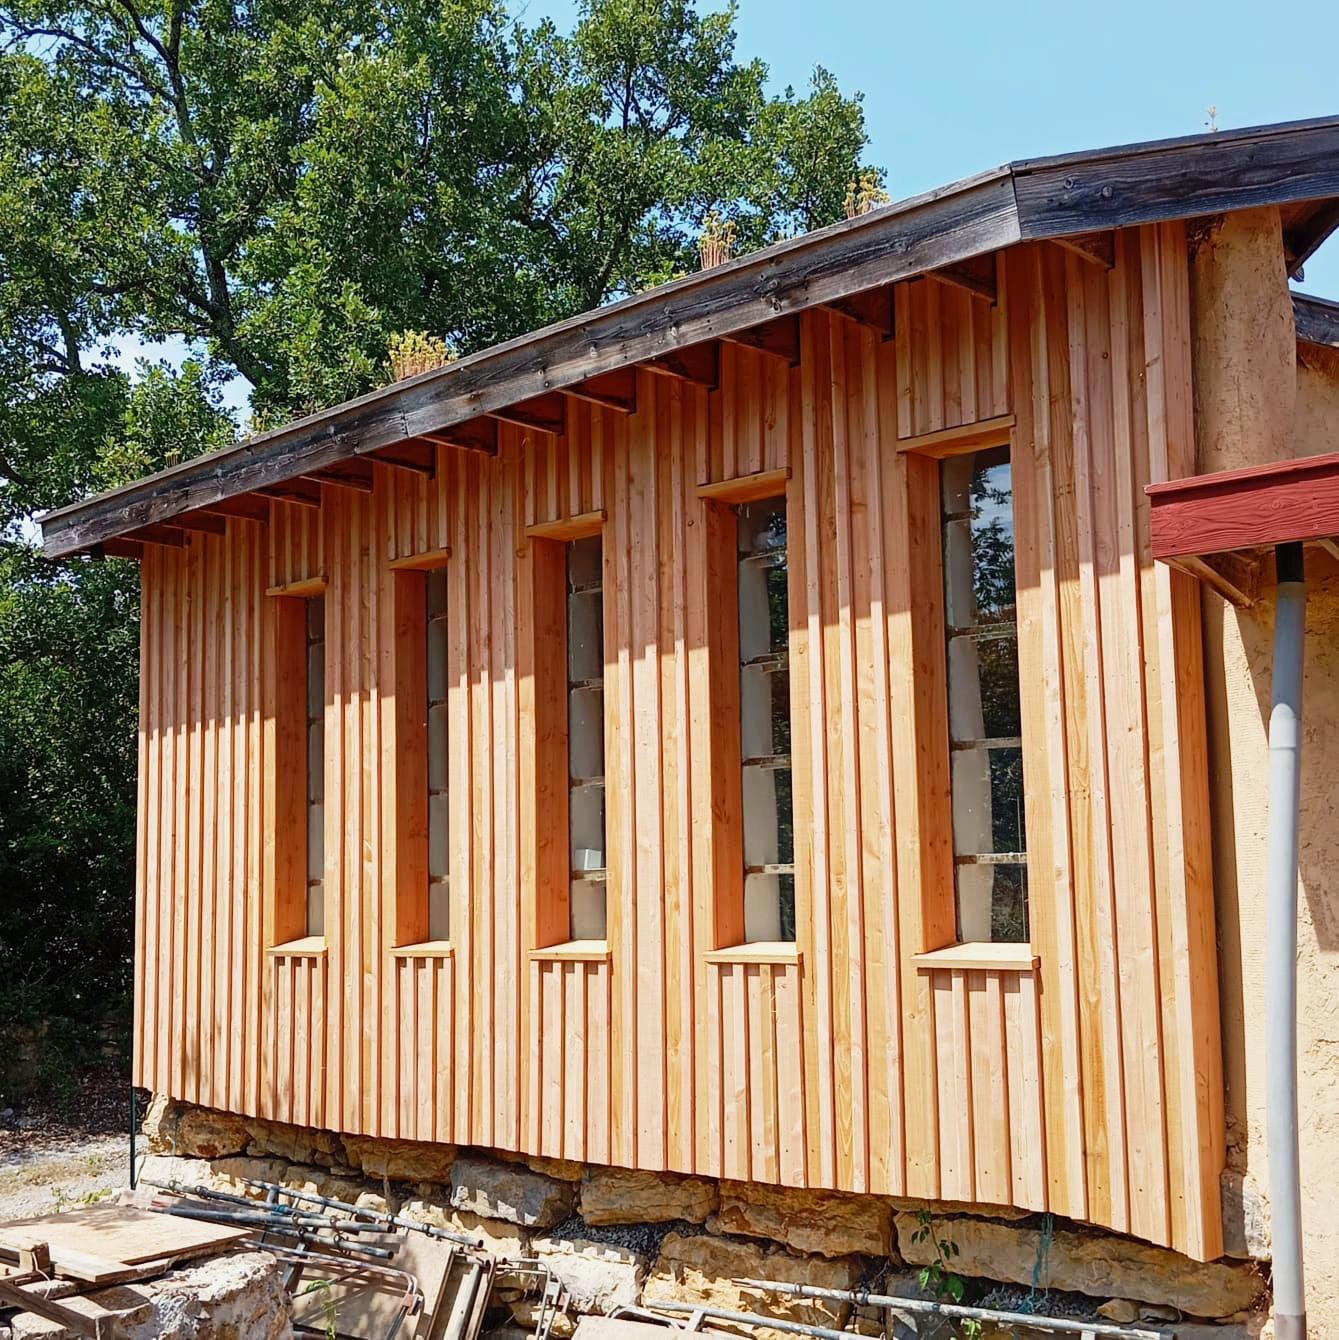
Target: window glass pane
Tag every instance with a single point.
(439, 808)
(769, 907)
(585, 737)
(315, 765)
(989, 834)
(439, 910)
(764, 704)
(586, 808)
(588, 909)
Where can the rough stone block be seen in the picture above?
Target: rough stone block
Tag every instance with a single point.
(167, 1170)
(819, 1222)
(598, 1276)
(625, 1196)
(702, 1269)
(293, 1144)
(1096, 1264)
(223, 1298)
(400, 1160)
(511, 1192)
(192, 1132)
(231, 1175)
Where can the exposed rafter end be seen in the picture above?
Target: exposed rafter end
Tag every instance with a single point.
(344, 477)
(472, 435)
(1235, 578)
(613, 390)
(414, 454)
(246, 506)
(545, 413)
(1099, 248)
(1304, 236)
(780, 337)
(201, 521)
(117, 548)
(976, 275)
(1331, 547)
(699, 363)
(171, 537)
(873, 309)
(293, 491)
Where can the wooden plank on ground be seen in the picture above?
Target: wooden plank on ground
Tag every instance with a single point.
(117, 1233)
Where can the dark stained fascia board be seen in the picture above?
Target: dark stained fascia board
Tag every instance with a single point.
(1178, 179)
(1317, 319)
(1034, 198)
(969, 218)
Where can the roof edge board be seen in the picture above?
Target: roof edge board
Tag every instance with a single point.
(1214, 174)
(936, 229)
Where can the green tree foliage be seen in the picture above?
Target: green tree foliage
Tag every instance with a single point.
(284, 185)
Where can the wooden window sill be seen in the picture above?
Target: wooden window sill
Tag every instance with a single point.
(573, 951)
(425, 949)
(761, 951)
(425, 561)
(305, 587)
(310, 946)
(980, 955)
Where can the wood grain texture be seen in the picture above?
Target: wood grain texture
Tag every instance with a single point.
(1078, 1078)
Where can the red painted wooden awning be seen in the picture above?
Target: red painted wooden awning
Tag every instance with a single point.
(1255, 508)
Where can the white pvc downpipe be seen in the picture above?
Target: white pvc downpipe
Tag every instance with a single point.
(1285, 768)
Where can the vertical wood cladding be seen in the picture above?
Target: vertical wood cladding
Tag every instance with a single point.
(1088, 1086)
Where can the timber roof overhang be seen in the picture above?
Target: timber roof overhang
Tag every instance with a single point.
(1075, 198)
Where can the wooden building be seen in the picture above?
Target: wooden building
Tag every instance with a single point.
(741, 730)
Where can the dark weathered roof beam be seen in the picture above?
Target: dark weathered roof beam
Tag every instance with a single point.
(699, 363)
(780, 337)
(1100, 248)
(615, 390)
(873, 309)
(472, 435)
(976, 275)
(546, 413)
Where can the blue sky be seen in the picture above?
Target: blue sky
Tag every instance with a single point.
(951, 88)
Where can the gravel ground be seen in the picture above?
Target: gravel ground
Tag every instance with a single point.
(55, 1155)
(58, 1173)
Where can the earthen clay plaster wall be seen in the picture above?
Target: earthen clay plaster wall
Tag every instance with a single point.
(1254, 404)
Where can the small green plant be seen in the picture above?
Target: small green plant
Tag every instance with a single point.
(327, 1305)
(93, 1197)
(938, 1277)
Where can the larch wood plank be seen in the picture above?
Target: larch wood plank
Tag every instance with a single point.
(1111, 1176)
(1042, 700)
(815, 383)
(1150, 1214)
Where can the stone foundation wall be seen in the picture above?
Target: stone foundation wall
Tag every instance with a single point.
(616, 1236)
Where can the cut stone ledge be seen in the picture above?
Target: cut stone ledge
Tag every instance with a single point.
(1099, 1265)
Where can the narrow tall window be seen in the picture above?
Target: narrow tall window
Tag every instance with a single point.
(989, 837)
(585, 736)
(316, 766)
(764, 703)
(439, 843)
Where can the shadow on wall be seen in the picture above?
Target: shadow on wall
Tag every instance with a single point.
(1239, 673)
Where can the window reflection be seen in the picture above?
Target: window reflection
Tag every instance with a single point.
(989, 835)
(764, 697)
(585, 737)
(439, 845)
